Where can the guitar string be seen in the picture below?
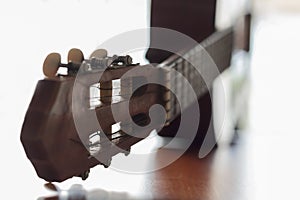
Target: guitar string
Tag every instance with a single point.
(117, 95)
(140, 119)
(123, 134)
(183, 73)
(120, 95)
(173, 108)
(125, 85)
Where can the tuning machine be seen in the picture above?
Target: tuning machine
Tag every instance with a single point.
(121, 60)
(99, 57)
(97, 60)
(53, 62)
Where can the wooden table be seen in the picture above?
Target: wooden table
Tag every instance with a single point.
(245, 170)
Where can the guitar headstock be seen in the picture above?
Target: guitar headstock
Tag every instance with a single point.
(105, 104)
(100, 108)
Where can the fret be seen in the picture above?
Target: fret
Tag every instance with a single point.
(168, 97)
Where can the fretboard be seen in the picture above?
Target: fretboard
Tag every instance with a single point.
(199, 66)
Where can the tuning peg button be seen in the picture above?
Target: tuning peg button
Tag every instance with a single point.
(99, 53)
(51, 64)
(75, 55)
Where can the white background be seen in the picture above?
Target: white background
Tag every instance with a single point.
(29, 30)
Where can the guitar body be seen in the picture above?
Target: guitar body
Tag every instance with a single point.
(195, 19)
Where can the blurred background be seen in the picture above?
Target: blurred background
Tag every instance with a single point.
(267, 161)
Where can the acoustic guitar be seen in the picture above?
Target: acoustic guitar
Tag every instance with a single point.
(105, 104)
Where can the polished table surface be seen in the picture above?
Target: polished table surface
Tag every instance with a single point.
(245, 170)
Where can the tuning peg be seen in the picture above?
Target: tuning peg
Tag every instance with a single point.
(99, 53)
(85, 175)
(127, 152)
(51, 64)
(52, 187)
(125, 60)
(107, 163)
(75, 55)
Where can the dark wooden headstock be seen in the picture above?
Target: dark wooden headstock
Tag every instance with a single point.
(68, 125)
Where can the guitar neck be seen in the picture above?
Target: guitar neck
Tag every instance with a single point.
(198, 67)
